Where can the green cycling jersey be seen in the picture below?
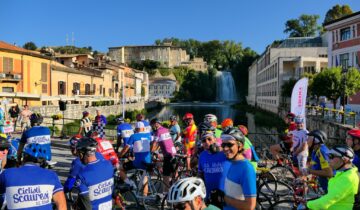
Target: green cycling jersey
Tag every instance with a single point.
(341, 191)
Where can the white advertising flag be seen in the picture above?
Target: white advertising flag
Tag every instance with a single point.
(298, 97)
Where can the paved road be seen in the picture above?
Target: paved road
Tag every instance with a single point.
(63, 158)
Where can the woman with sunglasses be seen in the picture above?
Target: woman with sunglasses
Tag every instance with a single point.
(240, 180)
(343, 187)
(188, 194)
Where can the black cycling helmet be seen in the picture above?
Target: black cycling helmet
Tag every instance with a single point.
(36, 118)
(206, 126)
(173, 118)
(120, 120)
(320, 136)
(155, 120)
(235, 133)
(4, 143)
(86, 145)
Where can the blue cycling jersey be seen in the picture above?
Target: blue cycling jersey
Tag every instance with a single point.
(37, 135)
(125, 130)
(96, 181)
(76, 167)
(147, 126)
(140, 142)
(29, 187)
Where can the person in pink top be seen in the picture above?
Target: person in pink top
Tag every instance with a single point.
(163, 138)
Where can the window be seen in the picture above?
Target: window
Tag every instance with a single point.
(8, 65)
(8, 89)
(345, 34)
(344, 59)
(44, 72)
(94, 89)
(87, 89)
(62, 88)
(44, 88)
(76, 87)
(100, 89)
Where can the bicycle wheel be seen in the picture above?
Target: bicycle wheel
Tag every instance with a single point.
(283, 173)
(284, 205)
(159, 186)
(129, 199)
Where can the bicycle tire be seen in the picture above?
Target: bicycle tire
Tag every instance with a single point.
(130, 200)
(283, 173)
(284, 205)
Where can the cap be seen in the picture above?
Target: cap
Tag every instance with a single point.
(139, 125)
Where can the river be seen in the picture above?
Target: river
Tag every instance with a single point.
(261, 136)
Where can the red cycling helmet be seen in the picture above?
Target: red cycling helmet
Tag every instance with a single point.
(354, 133)
(291, 116)
(243, 129)
(188, 116)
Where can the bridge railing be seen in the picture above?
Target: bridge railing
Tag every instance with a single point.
(332, 115)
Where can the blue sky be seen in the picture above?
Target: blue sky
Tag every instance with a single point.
(107, 23)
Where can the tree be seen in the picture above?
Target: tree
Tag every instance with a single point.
(30, 46)
(337, 12)
(287, 87)
(304, 26)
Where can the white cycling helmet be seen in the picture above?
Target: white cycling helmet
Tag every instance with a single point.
(186, 189)
(210, 118)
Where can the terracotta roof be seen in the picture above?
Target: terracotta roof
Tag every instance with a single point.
(8, 46)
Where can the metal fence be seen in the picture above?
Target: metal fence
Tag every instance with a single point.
(332, 115)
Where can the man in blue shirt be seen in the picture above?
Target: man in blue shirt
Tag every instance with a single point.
(141, 118)
(95, 181)
(211, 166)
(240, 181)
(30, 186)
(140, 143)
(37, 134)
(124, 131)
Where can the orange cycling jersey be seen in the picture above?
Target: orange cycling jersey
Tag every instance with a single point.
(189, 136)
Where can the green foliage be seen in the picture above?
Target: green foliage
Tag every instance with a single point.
(54, 130)
(102, 103)
(72, 128)
(142, 91)
(311, 77)
(166, 123)
(111, 119)
(304, 26)
(132, 114)
(72, 50)
(287, 87)
(337, 12)
(147, 65)
(164, 71)
(30, 46)
(180, 73)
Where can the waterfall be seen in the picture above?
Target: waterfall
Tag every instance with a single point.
(225, 86)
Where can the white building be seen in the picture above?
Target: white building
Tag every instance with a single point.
(279, 63)
(161, 89)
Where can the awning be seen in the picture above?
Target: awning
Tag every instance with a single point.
(26, 95)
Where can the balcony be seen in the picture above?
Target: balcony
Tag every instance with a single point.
(9, 77)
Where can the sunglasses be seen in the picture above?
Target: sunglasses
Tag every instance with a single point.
(180, 206)
(206, 139)
(332, 156)
(229, 145)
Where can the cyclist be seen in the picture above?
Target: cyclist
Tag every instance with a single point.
(4, 149)
(319, 164)
(124, 131)
(286, 139)
(249, 150)
(99, 124)
(175, 131)
(211, 166)
(210, 118)
(95, 181)
(189, 138)
(353, 141)
(188, 194)
(36, 134)
(141, 117)
(106, 149)
(227, 124)
(140, 144)
(240, 179)
(76, 164)
(300, 147)
(343, 187)
(30, 186)
(163, 139)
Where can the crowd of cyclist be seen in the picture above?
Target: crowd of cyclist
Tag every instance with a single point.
(222, 157)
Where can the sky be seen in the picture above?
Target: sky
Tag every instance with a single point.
(110, 23)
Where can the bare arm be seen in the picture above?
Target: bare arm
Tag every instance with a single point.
(247, 204)
(326, 172)
(60, 201)
(124, 151)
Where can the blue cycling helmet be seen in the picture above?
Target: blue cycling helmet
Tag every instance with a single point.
(36, 118)
(299, 119)
(38, 151)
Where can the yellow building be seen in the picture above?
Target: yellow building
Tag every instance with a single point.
(24, 75)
